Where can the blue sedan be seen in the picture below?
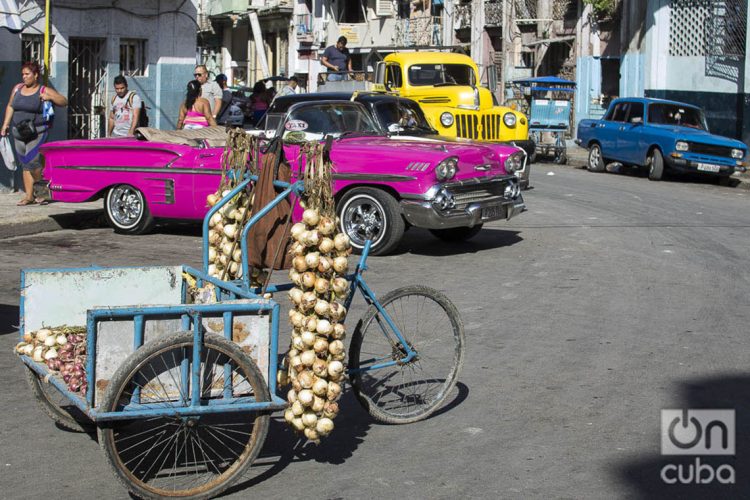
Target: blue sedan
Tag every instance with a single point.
(659, 135)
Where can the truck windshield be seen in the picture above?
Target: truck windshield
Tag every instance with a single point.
(674, 114)
(441, 74)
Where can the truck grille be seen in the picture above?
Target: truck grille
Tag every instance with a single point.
(466, 126)
(709, 149)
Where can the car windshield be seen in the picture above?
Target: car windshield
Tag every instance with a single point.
(441, 74)
(331, 119)
(675, 114)
(403, 117)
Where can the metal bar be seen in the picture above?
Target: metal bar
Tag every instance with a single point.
(184, 411)
(215, 209)
(90, 356)
(138, 331)
(178, 310)
(58, 384)
(195, 375)
(274, 349)
(228, 327)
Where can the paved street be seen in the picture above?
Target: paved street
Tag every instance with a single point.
(610, 299)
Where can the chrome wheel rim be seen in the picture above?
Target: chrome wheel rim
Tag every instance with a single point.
(364, 219)
(125, 206)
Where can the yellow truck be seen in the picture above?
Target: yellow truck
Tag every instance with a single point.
(446, 87)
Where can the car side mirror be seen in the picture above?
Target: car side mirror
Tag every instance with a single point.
(637, 120)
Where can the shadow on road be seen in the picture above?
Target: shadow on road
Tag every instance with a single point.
(9, 319)
(643, 476)
(422, 242)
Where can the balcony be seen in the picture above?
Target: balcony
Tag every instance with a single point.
(493, 13)
(303, 28)
(418, 32)
(462, 16)
(225, 8)
(271, 7)
(525, 11)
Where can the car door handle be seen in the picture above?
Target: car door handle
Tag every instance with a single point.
(622, 128)
(206, 155)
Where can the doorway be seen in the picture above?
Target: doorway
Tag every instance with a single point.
(86, 88)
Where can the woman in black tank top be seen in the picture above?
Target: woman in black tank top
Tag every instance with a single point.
(26, 103)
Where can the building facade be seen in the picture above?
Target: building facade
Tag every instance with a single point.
(151, 43)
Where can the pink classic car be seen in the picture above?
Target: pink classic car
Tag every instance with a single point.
(381, 185)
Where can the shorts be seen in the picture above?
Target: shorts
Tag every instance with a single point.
(27, 153)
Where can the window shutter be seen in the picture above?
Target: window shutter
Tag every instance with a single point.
(383, 8)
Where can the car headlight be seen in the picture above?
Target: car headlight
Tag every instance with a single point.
(446, 169)
(509, 119)
(681, 146)
(738, 154)
(514, 162)
(446, 119)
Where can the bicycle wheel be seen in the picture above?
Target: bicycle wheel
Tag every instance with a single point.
(57, 406)
(412, 391)
(193, 457)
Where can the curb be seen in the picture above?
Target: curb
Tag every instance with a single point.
(80, 219)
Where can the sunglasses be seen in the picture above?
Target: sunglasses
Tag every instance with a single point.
(198, 74)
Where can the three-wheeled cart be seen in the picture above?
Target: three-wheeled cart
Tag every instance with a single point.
(180, 392)
(549, 114)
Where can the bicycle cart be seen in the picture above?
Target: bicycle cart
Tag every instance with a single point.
(180, 392)
(549, 114)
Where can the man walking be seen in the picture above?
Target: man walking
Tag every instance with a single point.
(125, 109)
(336, 58)
(209, 90)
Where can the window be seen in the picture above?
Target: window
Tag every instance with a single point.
(674, 114)
(441, 74)
(636, 112)
(619, 113)
(32, 49)
(393, 75)
(351, 11)
(132, 57)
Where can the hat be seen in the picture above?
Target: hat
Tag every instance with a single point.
(221, 77)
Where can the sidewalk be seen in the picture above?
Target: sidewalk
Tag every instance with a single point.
(578, 157)
(33, 219)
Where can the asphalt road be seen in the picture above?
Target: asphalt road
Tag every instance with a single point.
(610, 299)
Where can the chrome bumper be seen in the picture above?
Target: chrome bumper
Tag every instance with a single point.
(426, 214)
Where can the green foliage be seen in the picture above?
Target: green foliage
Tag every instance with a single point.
(602, 8)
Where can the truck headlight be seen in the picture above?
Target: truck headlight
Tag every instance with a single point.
(738, 154)
(446, 169)
(681, 146)
(446, 119)
(514, 162)
(509, 119)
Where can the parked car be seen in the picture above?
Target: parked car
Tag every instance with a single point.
(381, 185)
(400, 117)
(659, 135)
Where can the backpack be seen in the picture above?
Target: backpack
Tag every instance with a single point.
(142, 116)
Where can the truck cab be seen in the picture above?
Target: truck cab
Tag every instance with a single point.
(446, 86)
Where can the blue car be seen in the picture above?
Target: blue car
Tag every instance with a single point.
(658, 135)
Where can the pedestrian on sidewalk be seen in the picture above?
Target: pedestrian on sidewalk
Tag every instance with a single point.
(209, 90)
(28, 117)
(195, 112)
(226, 99)
(126, 108)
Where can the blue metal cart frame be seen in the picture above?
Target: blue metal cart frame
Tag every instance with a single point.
(399, 351)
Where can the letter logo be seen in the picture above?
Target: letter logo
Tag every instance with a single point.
(697, 432)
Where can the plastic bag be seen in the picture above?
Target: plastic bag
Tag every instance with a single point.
(6, 151)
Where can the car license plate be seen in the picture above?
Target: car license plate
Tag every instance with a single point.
(493, 212)
(707, 167)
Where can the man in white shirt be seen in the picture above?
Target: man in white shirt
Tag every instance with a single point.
(291, 87)
(210, 90)
(124, 110)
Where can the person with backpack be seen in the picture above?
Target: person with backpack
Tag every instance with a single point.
(28, 117)
(126, 110)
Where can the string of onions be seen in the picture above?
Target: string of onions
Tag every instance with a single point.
(225, 226)
(314, 364)
(62, 349)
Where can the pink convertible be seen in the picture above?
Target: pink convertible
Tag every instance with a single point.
(381, 185)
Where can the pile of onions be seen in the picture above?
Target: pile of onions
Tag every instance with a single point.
(315, 361)
(62, 349)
